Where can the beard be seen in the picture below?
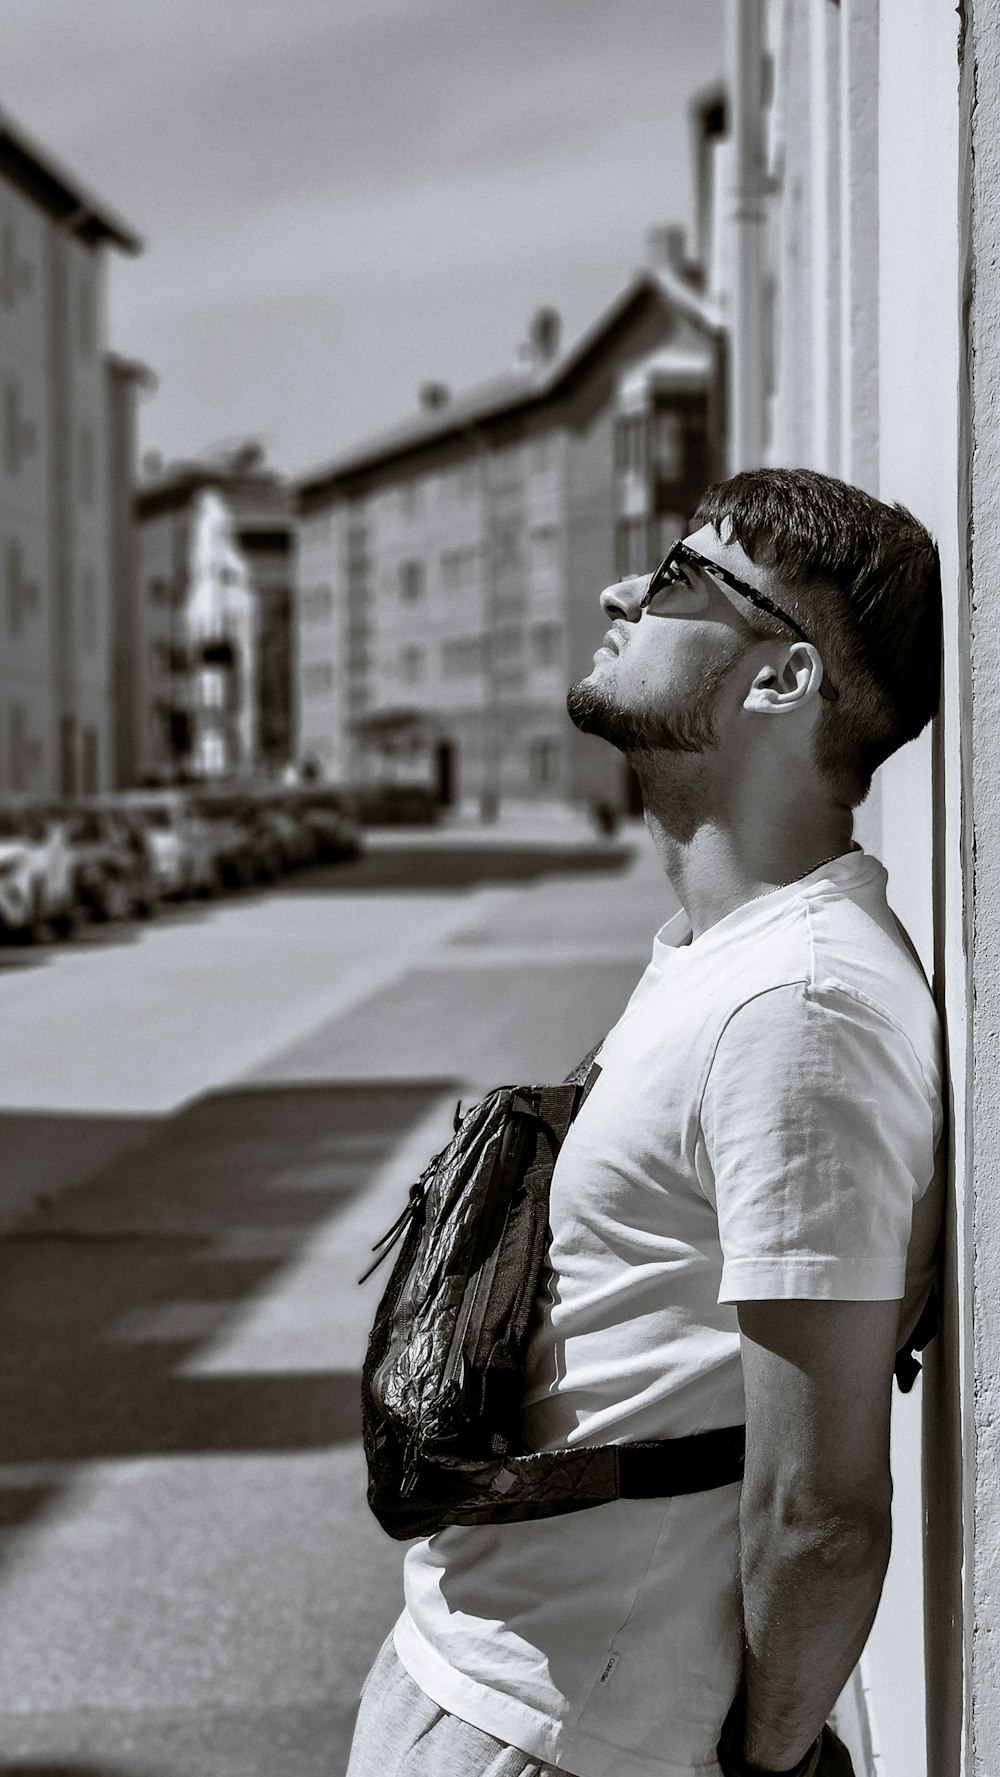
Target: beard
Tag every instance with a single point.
(687, 727)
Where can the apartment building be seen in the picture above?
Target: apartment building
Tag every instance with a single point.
(211, 676)
(56, 475)
(448, 574)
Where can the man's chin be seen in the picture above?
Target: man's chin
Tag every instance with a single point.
(591, 709)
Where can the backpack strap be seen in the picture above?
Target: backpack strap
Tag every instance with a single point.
(552, 1482)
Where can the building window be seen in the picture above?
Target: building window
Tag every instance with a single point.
(161, 659)
(17, 747)
(543, 762)
(86, 318)
(67, 756)
(210, 687)
(668, 444)
(15, 588)
(508, 644)
(544, 555)
(668, 528)
(412, 582)
(506, 547)
(88, 466)
(13, 438)
(317, 678)
(412, 662)
(546, 644)
(462, 658)
(8, 265)
(88, 611)
(317, 604)
(630, 443)
(89, 757)
(632, 551)
(411, 498)
(458, 569)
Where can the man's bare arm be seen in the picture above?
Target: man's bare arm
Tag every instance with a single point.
(815, 1524)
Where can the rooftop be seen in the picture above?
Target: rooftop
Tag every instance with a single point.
(239, 469)
(40, 177)
(519, 389)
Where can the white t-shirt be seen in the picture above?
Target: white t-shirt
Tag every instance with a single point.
(764, 1125)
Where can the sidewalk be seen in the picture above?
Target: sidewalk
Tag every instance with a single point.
(548, 825)
(192, 1583)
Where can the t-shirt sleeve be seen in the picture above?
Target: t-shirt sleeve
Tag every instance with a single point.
(819, 1133)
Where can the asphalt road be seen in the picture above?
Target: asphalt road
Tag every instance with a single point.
(205, 1124)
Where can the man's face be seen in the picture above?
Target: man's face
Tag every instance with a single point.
(656, 680)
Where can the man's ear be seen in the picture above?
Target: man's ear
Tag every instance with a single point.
(789, 686)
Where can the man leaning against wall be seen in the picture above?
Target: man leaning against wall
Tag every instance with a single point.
(745, 1211)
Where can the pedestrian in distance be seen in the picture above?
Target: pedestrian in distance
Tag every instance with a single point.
(745, 1212)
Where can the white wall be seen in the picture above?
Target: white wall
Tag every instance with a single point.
(979, 1233)
(865, 238)
(919, 443)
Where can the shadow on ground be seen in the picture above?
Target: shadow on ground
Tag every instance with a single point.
(412, 865)
(108, 1292)
(61, 1770)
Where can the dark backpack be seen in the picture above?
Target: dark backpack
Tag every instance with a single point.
(443, 1378)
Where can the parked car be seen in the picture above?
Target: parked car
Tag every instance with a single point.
(113, 871)
(337, 835)
(235, 853)
(266, 847)
(138, 837)
(37, 887)
(296, 842)
(186, 858)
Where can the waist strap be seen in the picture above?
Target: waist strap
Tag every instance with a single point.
(681, 1465)
(546, 1483)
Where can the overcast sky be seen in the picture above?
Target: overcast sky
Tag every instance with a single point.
(342, 199)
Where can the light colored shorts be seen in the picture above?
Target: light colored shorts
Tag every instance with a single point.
(401, 1733)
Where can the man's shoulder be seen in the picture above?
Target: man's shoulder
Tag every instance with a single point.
(863, 962)
(835, 965)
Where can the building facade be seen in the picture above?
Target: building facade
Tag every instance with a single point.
(125, 380)
(863, 298)
(56, 477)
(448, 575)
(211, 680)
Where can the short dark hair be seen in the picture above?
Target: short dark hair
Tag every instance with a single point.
(866, 585)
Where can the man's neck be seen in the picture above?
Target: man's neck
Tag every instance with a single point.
(719, 869)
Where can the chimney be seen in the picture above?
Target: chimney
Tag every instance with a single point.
(434, 396)
(665, 248)
(542, 343)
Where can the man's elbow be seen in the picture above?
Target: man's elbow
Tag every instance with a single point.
(842, 1527)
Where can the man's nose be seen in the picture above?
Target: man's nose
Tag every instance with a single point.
(624, 599)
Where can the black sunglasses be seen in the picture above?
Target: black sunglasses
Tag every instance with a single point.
(669, 573)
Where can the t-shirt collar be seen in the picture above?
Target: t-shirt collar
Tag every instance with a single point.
(848, 870)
